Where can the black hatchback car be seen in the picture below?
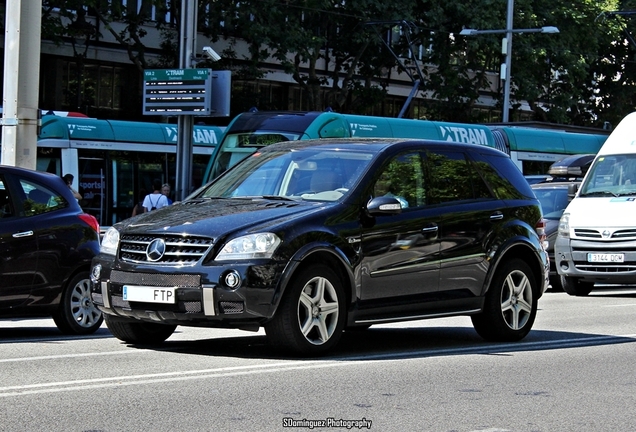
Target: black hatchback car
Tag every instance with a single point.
(309, 238)
(47, 243)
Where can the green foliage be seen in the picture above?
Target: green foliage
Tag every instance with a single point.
(584, 75)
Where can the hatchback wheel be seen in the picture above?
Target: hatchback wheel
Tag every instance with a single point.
(576, 287)
(138, 332)
(510, 306)
(310, 317)
(77, 314)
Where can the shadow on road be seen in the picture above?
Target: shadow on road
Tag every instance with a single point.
(24, 331)
(386, 343)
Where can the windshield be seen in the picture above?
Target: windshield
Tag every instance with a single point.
(309, 174)
(613, 175)
(553, 201)
(237, 146)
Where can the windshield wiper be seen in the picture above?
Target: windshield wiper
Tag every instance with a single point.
(278, 198)
(599, 193)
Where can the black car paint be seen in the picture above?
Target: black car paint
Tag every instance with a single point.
(61, 246)
(474, 237)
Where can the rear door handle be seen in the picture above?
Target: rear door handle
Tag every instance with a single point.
(496, 216)
(23, 234)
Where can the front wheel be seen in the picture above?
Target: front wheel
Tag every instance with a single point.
(77, 314)
(138, 332)
(311, 316)
(510, 306)
(576, 287)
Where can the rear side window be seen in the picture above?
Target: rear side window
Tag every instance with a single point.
(454, 178)
(40, 199)
(6, 208)
(503, 176)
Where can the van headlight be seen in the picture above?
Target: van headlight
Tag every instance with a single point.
(260, 245)
(110, 242)
(564, 225)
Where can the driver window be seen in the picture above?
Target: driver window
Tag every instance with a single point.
(402, 178)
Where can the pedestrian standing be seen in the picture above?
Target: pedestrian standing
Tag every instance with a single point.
(156, 199)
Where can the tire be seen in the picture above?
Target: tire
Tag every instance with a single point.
(555, 283)
(138, 332)
(77, 314)
(510, 306)
(576, 287)
(311, 314)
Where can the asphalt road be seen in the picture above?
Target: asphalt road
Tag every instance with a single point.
(574, 372)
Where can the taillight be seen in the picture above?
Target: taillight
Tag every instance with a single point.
(540, 229)
(90, 220)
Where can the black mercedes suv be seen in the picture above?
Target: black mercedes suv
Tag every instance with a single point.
(310, 238)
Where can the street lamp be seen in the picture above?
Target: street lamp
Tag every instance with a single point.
(505, 74)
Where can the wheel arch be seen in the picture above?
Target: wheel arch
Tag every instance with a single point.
(323, 253)
(518, 249)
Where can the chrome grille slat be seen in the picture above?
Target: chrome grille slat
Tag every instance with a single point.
(179, 250)
(590, 233)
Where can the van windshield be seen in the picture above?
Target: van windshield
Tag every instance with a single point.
(612, 175)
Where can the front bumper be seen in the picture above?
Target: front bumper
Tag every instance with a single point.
(201, 295)
(571, 257)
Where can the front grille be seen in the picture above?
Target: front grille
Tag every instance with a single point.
(231, 307)
(595, 267)
(156, 279)
(179, 250)
(591, 233)
(118, 301)
(192, 306)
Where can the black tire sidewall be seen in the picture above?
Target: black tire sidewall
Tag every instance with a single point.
(490, 323)
(284, 330)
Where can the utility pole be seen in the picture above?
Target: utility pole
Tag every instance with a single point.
(20, 117)
(185, 123)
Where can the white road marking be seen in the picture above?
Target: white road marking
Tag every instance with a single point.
(127, 380)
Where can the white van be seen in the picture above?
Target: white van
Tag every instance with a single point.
(596, 241)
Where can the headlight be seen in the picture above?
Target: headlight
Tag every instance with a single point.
(110, 242)
(564, 225)
(260, 245)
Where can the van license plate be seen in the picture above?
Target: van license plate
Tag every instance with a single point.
(608, 258)
(149, 294)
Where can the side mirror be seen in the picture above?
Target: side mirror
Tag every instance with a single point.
(384, 206)
(573, 188)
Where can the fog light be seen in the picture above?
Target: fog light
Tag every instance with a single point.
(96, 273)
(564, 265)
(232, 279)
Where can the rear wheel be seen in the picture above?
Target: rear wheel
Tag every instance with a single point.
(77, 314)
(310, 317)
(576, 287)
(137, 332)
(510, 306)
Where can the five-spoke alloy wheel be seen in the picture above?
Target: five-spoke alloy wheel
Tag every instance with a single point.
(510, 306)
(310, 317)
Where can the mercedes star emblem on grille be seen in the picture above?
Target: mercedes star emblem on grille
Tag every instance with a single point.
(155, 250)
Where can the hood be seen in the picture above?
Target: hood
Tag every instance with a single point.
(213, 217)
(602, 212)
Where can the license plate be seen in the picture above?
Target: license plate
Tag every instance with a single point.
(608, 258)
(149, 294)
